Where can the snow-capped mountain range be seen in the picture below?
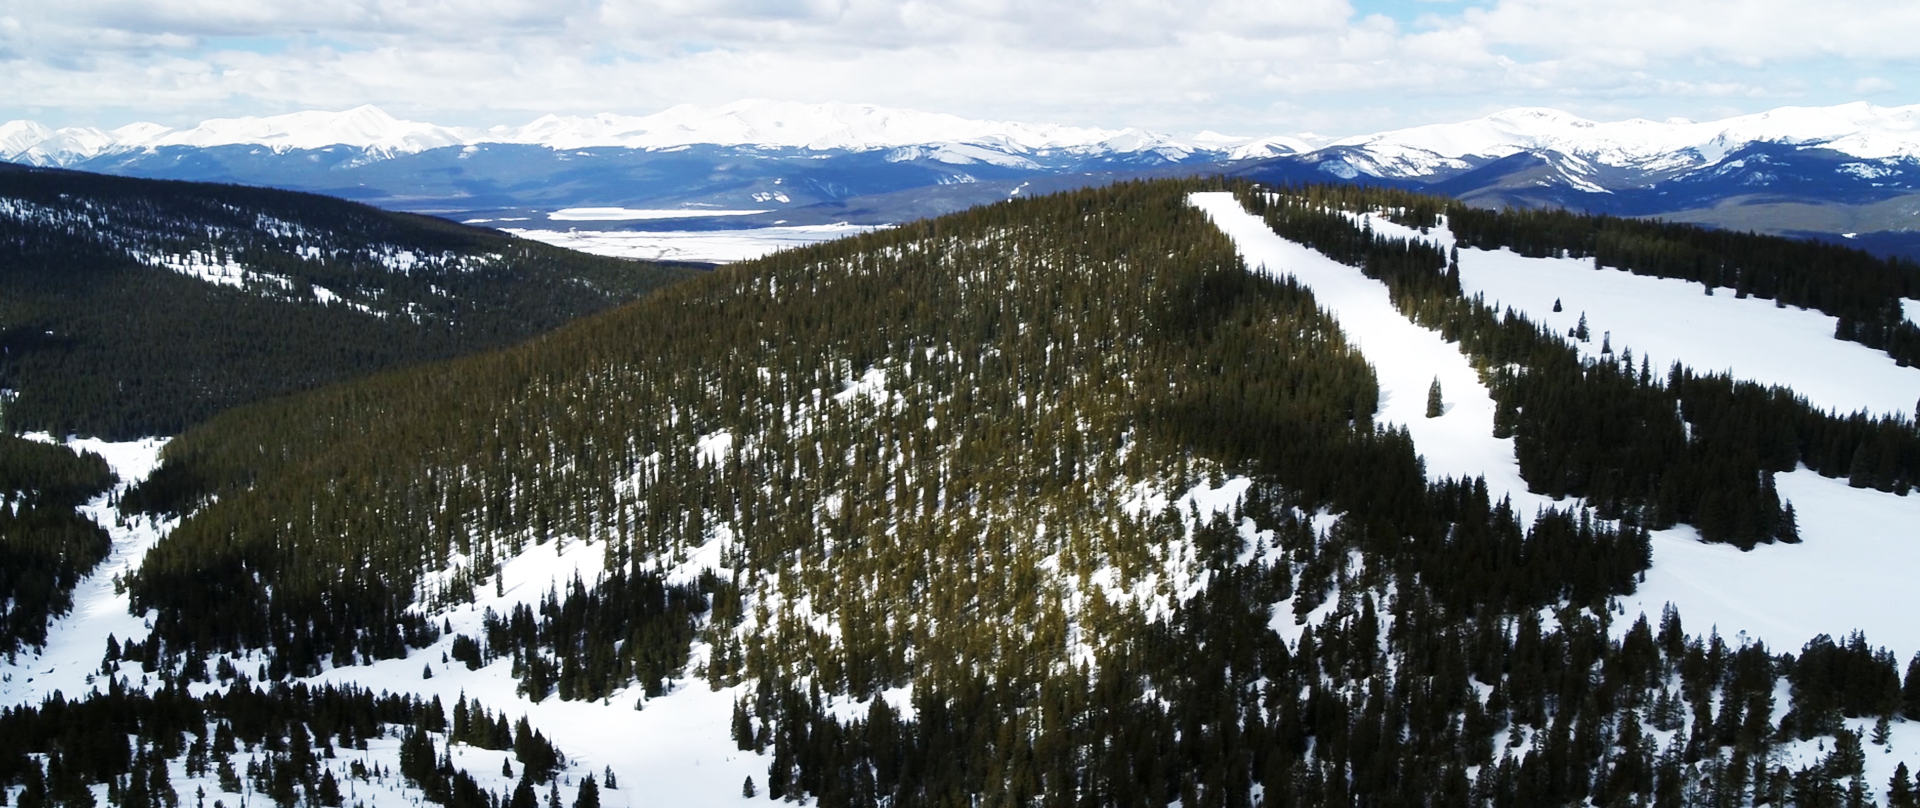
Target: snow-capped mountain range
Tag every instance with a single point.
(763, 124)
(1849, 171)
(1858, 130)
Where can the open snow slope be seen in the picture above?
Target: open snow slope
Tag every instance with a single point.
(1852, 570)
(77, 641)
(674, 749)
(1666, 320)
(1859, 546)
(1405, 357)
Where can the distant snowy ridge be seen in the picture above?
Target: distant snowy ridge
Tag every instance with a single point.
(1859, 130)
(750, 123)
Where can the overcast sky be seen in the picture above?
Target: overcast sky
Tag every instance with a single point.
(1332, 67)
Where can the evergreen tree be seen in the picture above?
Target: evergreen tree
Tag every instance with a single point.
(588, 795)
(1434, 404)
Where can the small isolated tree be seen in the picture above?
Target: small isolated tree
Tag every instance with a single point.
(1882, 732)
(589, 795)
(1435, 404)
(1556, 304)
(1580, 331)
(747, 789)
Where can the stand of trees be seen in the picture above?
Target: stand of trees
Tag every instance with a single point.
(280, 738)
(45, 546)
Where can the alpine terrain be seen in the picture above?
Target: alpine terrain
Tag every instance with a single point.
(1843, 173)
(1195, 492)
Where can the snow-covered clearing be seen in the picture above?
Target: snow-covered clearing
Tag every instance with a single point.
(709, 246)
(77, 641)
(675, 749)
(1665, 319)
(1852, 570)
(1405, 357)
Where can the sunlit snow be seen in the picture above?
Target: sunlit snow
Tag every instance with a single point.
(636, 214)
(1853, 569)
(1406, 358)
(711, 246)
(1663, 319)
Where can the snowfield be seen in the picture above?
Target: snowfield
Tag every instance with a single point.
(1852, 570)
(1664, 320)
(637, 214)
(709, 246)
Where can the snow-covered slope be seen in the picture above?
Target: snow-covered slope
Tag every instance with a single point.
(1850, 570)
(1664, 320)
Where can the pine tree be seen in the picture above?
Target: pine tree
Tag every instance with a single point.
(588, 795)
(1900, 792)
(1910, 690)
(747, 789)
(1435, 406)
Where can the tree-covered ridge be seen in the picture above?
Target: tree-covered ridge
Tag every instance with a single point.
(951, 458)
(137, 307)
(44, 545)
(594, 432)
(1654, 447)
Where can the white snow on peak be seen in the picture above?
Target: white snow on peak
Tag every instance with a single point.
(1858, 129)
(365, 127)
(749, 123)
(793, 125)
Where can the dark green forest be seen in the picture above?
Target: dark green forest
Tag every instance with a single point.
(95, 340)
(925, 457)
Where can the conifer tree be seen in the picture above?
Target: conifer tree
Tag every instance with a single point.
(1435, 406)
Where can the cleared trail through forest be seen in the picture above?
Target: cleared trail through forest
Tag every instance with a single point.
(1406, 358)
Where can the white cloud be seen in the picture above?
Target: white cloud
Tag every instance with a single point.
(1239, 65)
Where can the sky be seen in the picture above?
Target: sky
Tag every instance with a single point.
(1245, 67)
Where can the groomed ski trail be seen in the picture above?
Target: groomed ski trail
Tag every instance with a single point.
(1405, 357)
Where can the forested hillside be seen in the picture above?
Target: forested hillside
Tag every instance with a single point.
(1050, 502)
(138, 307)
